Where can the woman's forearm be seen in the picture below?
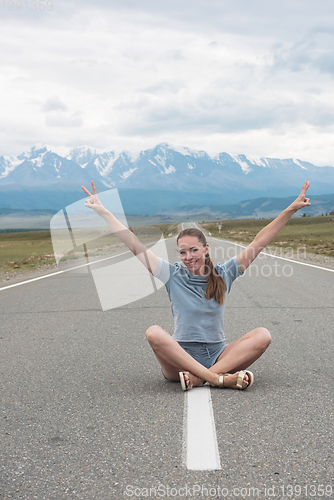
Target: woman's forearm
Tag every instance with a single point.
(146, 257)
(122, 232)
(268, 233)
(114, 224)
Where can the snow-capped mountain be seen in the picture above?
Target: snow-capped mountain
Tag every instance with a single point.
(41, 168)
(162, 169)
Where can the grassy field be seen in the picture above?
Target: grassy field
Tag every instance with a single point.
(25, 250)
(315, 234)
(28, 251)
(31, 250)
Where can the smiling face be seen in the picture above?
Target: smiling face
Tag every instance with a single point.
(192, 254)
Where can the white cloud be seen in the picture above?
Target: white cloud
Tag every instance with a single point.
(242, 77)
(54, 104)
(59, 120)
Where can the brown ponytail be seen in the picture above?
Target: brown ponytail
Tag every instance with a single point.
(216, 286)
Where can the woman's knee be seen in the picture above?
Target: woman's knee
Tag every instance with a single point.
(153, 333)
(263, 338)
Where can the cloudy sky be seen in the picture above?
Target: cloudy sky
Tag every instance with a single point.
(240, 76)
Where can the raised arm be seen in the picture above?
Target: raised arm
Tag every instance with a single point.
(148, 258)
(264, 237)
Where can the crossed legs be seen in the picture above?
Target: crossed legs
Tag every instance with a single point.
(237, 356)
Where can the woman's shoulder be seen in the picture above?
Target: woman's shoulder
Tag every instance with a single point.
(166, 270)
(229, 271)
(229, 264)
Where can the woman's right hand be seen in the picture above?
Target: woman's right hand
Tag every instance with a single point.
(93, 202)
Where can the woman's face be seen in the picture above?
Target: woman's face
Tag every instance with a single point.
(192, 254)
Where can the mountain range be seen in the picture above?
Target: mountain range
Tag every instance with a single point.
(158, 180)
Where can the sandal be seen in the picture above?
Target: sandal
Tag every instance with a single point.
(186, 387)
(220, 380)
(240, 379)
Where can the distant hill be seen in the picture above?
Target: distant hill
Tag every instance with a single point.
(258, 208)
(11, 219)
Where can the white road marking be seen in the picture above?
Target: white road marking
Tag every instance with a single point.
(200, 440)
(61, 272)
(66, 270)
(199, 434)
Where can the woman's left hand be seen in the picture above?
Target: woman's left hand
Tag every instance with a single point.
(301, 201)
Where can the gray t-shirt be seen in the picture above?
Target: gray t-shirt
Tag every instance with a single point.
(196, 319)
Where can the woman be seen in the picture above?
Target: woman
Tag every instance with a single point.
(197, 352)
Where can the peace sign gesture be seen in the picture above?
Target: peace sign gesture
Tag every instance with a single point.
(301, 201)
(93, 201)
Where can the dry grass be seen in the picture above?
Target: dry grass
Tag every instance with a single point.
(25, 250)
(32, 250)
(315, 234)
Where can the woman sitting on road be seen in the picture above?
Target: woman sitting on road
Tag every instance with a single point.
(197, 352)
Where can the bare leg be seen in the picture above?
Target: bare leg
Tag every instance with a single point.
(241, 353)
(174, 359)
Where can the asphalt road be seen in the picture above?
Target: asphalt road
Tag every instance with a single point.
(86, 413)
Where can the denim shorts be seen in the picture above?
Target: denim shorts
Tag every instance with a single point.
(205, 353)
